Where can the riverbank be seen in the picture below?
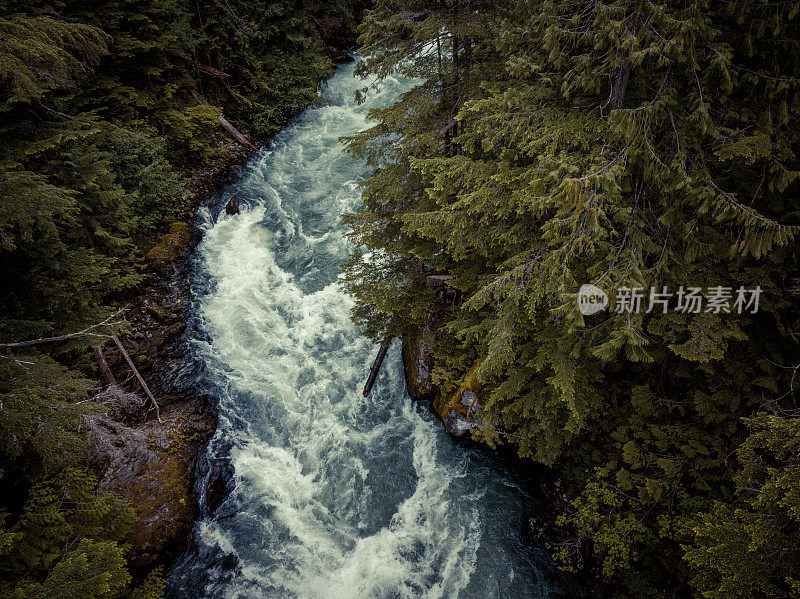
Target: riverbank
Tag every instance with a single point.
(148, 462)
(152, 463)
(548, 494)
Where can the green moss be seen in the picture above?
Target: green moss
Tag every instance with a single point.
(444, 402)
(171, 246)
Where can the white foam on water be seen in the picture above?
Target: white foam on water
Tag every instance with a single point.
(336, 496)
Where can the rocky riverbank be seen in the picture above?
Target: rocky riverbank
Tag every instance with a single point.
(151, 462)
(148, 462)
(548, 493)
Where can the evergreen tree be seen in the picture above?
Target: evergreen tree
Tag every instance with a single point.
(270, 57)
(62, 538)
(98, 112)
(750, 547)
(624, 144)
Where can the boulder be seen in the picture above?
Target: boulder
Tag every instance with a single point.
(457, 424)
(232, 207)
(460, 411)
(151, 466)
(418, 360)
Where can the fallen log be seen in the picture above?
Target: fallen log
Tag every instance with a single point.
(236, 135)
(108, 377)
(138, 376)
(376, 366)
(226, 124)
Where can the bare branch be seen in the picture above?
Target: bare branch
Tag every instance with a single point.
(138, 377)
(85, 332)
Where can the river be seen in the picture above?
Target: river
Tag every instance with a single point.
(333, 495)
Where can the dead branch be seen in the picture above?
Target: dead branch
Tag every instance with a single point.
(226, 124)
(208, 70)
(85, 332)
(105, 372)
(139, 378)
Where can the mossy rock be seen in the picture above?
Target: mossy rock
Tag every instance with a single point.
(418, 361)
(152, 467)
(171, 247)
(459, 410)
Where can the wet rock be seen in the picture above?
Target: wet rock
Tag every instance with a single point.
(230, 561)
(151, 466)
(220, 484)
(160, 313)
(461, 411)
(175, 330)
(232, 207)
(418, 361)
(457, 424)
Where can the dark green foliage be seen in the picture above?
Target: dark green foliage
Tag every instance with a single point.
(624, 144)
(97, 116)
(58, 537)
(271, 55)
(751, 547)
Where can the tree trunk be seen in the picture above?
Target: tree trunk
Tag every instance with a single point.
(235, 133)
(226, 124)
(105, 372)
(619, 87)
(376, 366)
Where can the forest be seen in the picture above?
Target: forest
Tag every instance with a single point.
(626, 145)
(646, 145)
(100, 123)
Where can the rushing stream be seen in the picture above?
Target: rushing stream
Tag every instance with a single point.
(332, 495)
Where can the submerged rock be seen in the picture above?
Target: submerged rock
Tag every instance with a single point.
(220, 482)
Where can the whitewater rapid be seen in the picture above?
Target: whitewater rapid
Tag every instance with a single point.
(332, 495)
